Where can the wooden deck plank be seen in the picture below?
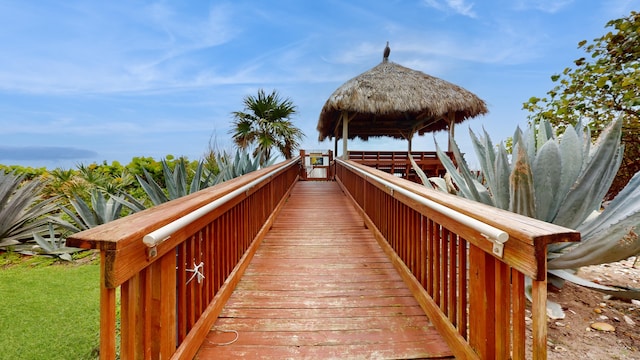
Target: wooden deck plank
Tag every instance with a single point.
(320, 287)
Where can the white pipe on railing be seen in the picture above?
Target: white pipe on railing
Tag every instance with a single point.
(497, 236)
(154, 238)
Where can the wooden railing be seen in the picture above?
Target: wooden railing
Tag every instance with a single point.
(449, 251)
(398, 163)
(174, 283)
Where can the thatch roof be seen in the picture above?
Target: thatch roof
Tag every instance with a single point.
(392, 100)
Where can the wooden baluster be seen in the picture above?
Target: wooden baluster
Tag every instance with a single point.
(453, 279)
(502, 310)
(461, 312)
(422, 253)
(445, 264)
(539, 317)
(163, 306)
(482, 303)
(518, 314)
(182, 264)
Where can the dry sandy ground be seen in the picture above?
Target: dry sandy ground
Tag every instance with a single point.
(573, 337)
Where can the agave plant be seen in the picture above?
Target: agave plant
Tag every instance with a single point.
(176, 182)
(55, 245)
(239, 164)
(99, 211)
(562, 180)
(23, 212)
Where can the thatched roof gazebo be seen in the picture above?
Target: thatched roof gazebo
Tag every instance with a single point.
(392, 100)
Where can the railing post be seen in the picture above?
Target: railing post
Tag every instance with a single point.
(331, 170)
(481, 303)
(107, 314)
(539, 317)
(164, 304)
(303, 168)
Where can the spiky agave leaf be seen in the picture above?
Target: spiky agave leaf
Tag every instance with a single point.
(618, 221)
(175, 184)
(478, 191)
(201, 179)
(232, 166)
(175, 181)
(101, 211)
(522, 198)
(22, 209)
(468, 186)
(547, 171)
(152, 189)
(619, 292)
(88, 216)
(495, 168)
(587, 192)
(105, 210)
(130, 202)
(54, 245)
(421, 175)
(571, 161)
(502, 196)
(486, 157)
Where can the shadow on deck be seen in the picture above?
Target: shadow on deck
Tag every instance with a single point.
(318, 287)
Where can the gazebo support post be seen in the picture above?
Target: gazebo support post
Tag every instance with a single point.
(452, 126)
(345, 135)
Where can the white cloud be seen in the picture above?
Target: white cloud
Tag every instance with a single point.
(106, 49)
(460, 7)
(548, 6)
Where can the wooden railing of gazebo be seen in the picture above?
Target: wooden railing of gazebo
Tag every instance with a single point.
(398, 163)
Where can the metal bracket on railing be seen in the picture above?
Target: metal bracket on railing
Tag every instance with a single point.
(152, 241)
(498, 244)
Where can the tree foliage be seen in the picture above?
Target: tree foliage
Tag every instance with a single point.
(265, 124)
(603, 85)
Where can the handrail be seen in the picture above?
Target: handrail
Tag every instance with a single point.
(157, 236)
(488, 231)
(163, 313)
(474, 296)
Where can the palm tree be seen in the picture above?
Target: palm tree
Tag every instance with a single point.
(265, 124)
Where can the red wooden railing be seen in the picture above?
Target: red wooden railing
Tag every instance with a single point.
(447, 250)
(399, 164)
(172, 287)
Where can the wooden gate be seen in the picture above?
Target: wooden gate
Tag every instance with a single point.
(316, 165)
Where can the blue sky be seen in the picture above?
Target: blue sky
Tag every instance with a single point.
(93, 81)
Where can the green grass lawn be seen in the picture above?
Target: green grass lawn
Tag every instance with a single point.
(49, 311)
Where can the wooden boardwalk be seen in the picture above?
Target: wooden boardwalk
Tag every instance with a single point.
(320, 287)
